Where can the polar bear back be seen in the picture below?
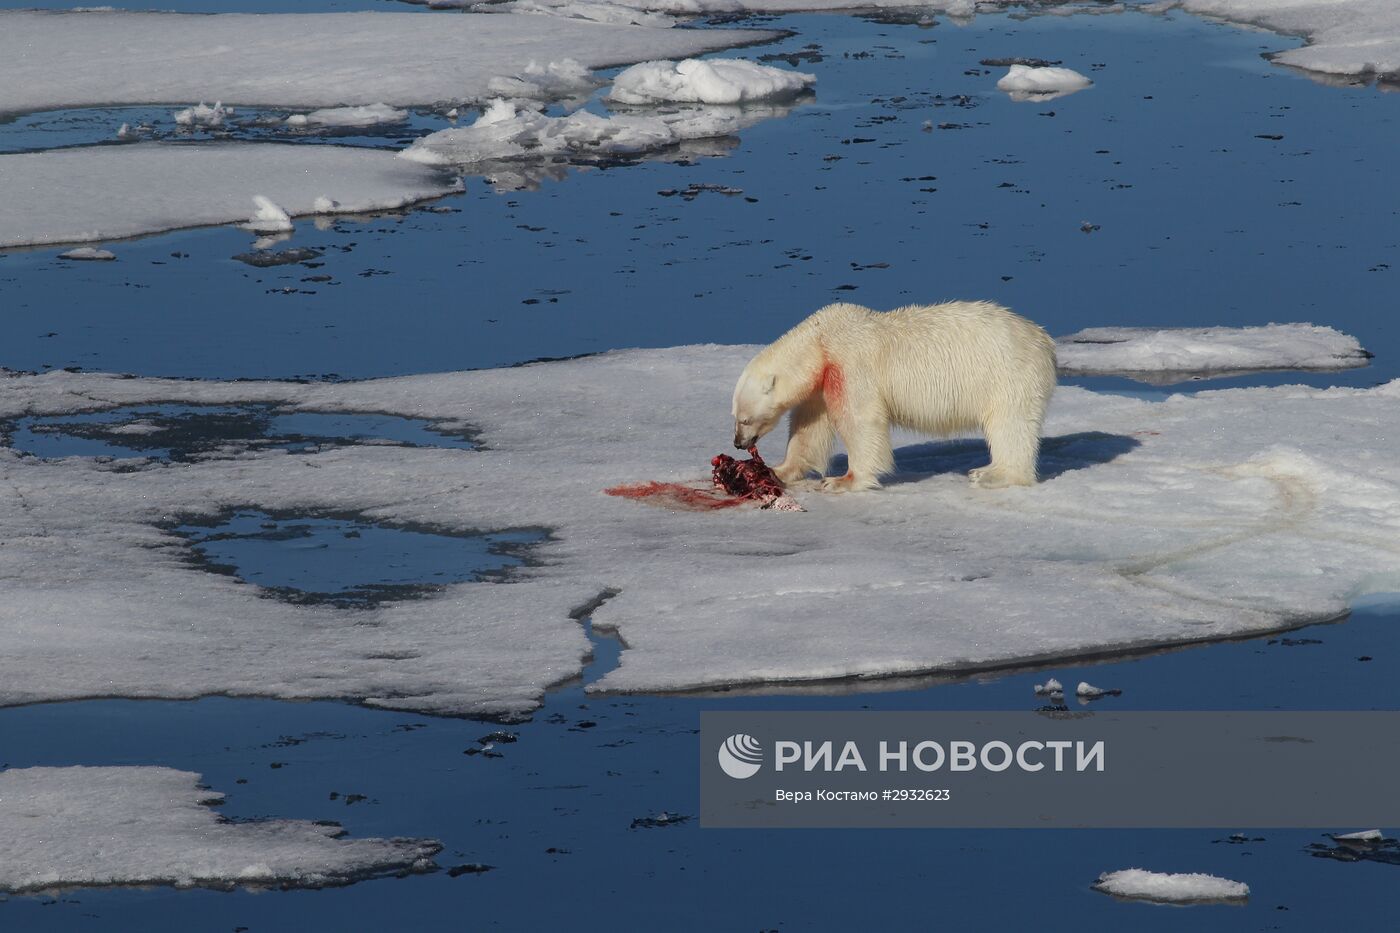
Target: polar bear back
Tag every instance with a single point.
(941, 369)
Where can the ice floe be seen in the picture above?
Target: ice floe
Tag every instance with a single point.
(368, 115)
(1139, 884)
(566, 79)
(201, 115)
(1174, 354)
(1029, 83)
(598, 12)
(1346, 38)
(105, 192)
(88, 254)
(713, 81)
(52, 60)
(506, 132)
(1195, 518)
(1050, 688)
(64, 827)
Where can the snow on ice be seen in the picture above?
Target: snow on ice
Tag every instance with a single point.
(105, 192)
(61, 827)
(1028, 83)
(200, 115)
(368, 115)
(53, 60)
(506, 132)
(714, 81)
(1190, 519)
(268, 217)
(1163, 887)
(1175, 354)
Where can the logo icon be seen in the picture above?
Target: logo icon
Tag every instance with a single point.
(740, 756)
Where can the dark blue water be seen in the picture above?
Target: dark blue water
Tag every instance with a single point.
(1199, 222)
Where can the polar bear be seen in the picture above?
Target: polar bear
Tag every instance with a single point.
(936, 369)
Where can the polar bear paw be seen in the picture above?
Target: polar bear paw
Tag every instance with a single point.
(991, 477)
(848, 483)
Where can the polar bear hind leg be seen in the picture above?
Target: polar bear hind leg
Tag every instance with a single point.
(1015, 446)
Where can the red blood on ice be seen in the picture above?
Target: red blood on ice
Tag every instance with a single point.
(675, 495)
(741, 480)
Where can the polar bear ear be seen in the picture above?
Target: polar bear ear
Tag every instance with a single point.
(769, 383)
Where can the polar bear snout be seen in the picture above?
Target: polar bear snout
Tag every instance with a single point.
(744, 439)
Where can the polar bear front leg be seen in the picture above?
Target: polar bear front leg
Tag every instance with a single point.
(868, 453)
(810, 438)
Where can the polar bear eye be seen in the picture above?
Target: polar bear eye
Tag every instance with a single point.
(746, 421)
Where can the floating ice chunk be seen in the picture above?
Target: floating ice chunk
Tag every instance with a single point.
(61, 827)
(712, 81)
(368, 115)
(1051, 687)
(1345, 37)
(553, 81)
(105, 192)
(1179, 353)
(124, 131)
(1087, 691)
(303, 61)
(267, 217)
(200, 115)
(88, 253)
(1026, 82)
(1162, 887)
(505, 132)
(1366, 835)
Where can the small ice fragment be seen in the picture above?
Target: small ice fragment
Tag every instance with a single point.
(88, 253)
(124, 131)
(200, 115)
(1169, 888)
(451, 114)
(268, 218)
(1088, 691)
(711, 81)
(324, 205)
(1051, 687)
(369, 115)
(1024, 82)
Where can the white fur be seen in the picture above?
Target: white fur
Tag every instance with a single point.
(936, 369)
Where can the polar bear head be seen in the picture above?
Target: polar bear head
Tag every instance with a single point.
(758, 404)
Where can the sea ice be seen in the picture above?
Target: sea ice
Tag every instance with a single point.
(369, 115)
(1175, 354)
(1163, 887)
(1347, 38)
(105, 192)
(62, 827)
(1087, 691)
(712, 81)
(552, 81)
(201, 115)
(505, 132)
(1199, 517)
(88, 253)
(1025, 82)
(1051, 687)
(267, 217)
(1365, 835)
(52, 60)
